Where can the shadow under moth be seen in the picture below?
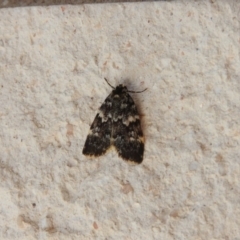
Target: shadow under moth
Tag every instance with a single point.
(117, 124)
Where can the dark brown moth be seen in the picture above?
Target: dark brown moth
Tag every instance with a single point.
(117, 124)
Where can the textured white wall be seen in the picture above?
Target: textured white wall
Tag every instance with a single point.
(53, 61)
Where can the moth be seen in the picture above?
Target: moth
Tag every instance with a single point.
(117, 124)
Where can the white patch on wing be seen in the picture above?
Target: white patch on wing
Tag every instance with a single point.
(93, 132)
(130, 119)
(109, 103)
(101, 115)
(123, 105)
(116, 118)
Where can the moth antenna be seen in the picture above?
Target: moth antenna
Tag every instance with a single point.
(138, 91)
(109, 83)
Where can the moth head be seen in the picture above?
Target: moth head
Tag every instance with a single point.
(120, 89)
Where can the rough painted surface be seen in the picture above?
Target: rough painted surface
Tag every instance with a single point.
(53, 61)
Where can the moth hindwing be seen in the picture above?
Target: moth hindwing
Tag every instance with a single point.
(117, 124)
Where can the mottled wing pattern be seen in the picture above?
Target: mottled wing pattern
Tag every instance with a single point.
(99, 137)
(127, 136)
